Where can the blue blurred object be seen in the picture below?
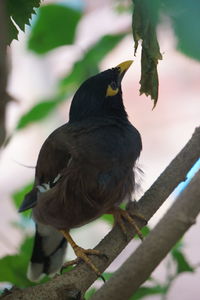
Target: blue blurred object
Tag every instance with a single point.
(189, 176)
(75, 4)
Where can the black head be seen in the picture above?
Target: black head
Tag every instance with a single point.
(100, 95)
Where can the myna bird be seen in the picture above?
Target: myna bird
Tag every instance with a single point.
(85, 169)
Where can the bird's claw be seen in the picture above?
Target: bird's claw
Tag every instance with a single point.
(120, 215)
(82, 255)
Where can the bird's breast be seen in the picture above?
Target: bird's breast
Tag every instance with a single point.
(99, 176)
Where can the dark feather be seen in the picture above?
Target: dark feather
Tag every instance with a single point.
(84, 168)
(29, 201)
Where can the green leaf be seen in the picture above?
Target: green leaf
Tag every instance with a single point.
(67, 269)
(147, 291)
(19, 195)
(21, 12)
(54, 27)
(180, 259)
(81, 70)
(14, 267)
(145, 231)
(145, 18)
(108, 218)
(89, 64)
(89, 293)
(107, 275)
(37, 112)
(12, 31)
(185, 16)
(122, 206)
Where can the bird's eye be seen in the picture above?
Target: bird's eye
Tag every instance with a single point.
(113, 85)
(112, 89)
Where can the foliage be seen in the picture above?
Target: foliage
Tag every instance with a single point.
(176, 258)
(20, 12)
(38, 112)
(145, 18)
(87, 66)
(152, 286)
(181, 263)
(15, 266)
(45, 36)
(185, 19)
(55, 26)
(148, 291)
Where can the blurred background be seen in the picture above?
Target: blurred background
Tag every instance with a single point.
(43, 82)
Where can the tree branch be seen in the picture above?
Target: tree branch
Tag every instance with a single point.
(158, 243)
(81, 277)
(3, 70)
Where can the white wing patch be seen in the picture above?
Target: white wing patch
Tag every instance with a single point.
(57, 178)
(44, 187)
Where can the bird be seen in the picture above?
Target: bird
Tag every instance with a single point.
(85, 168)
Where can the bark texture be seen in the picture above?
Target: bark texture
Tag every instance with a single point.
(155, 247)
(81, 277)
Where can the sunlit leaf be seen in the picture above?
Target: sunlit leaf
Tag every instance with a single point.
(145, 17)
(55, 26)
(20, 11)
(147, 291)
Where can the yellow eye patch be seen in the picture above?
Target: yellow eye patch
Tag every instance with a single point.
(111, 91)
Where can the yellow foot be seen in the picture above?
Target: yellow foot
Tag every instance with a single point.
(82, 254)
(120, 215)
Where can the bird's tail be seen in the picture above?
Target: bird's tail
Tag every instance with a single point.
(48, 252)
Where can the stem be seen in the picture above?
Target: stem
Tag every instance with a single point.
(155, 247)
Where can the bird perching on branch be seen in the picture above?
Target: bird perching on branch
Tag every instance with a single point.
(85, 169)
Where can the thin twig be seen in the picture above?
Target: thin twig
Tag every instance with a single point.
(158, 243)
(82, 277)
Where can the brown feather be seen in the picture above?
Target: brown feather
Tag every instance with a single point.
(97, 177)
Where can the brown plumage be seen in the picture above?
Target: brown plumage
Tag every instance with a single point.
(85, 168)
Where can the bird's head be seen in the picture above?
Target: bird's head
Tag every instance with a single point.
(100, 95)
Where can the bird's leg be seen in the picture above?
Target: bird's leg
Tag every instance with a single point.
(120, 215)
(81, 254)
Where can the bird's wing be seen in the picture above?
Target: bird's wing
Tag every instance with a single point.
(54, 156)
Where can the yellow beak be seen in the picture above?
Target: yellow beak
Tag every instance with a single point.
(124, 66)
